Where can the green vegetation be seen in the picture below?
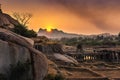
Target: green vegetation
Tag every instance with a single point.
(96, 41)
(54, 77)
(22, 30)
(59, 77)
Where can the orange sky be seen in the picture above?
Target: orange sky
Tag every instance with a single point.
(73, 16)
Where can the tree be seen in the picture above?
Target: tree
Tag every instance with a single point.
(21, 29)
(80, 48)
(22, 18)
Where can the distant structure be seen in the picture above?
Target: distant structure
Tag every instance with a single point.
(0, 8)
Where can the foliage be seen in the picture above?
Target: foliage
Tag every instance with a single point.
(54, 77)
(22, 30)
(96, 41)
(49, 77)
(59, 77)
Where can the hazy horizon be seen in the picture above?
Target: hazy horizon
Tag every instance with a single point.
(71, 16)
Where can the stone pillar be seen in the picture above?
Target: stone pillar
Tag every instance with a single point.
(117, 57)
(113, 57)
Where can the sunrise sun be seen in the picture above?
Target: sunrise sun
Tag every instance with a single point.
(49, 28)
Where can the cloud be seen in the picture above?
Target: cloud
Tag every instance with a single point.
(95, 11)
(103, 14)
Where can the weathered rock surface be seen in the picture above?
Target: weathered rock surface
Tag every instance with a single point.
(14, 48)
(65, 58)
(7, 21)
(49, 48)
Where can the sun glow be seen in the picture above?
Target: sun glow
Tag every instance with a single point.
(49, 28)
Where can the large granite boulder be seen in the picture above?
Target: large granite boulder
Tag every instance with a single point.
(15, 48)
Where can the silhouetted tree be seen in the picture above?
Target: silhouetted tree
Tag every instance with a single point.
(22, 18)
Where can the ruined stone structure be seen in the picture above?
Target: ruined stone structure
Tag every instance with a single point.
(106, 55)
(49, 48)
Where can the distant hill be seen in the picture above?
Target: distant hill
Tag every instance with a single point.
(56, 34)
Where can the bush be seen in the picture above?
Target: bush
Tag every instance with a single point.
(23, 31)
(59, 77)
(54, 77)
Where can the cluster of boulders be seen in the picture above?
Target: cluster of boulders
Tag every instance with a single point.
(15, 48)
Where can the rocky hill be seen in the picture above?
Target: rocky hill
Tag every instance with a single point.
(7, 21)
(56, 34)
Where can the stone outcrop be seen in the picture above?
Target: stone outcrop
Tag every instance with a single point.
(14, 48)
(65, 58)
(49, 48)
(7, 21)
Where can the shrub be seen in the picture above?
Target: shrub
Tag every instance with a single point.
(50, 77)
(22, 30)
(54, 77)
(59, 77)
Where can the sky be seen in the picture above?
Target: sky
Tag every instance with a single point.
(72, 16)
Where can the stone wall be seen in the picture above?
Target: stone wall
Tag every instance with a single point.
(49, 48)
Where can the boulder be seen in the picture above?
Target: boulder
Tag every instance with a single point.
(7, 21)
(49, 48)
(65, 58)
(14, 48)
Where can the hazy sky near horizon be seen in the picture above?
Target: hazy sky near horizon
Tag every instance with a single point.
(73, 16)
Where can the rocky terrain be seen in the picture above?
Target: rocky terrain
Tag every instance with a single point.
(86, 70)
(16, 49)
(7, 21)
(48, 60)
(70, 68)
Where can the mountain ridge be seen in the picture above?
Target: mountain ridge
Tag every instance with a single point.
(57, 34)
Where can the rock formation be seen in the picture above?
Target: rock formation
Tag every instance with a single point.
(65, 58)
(49, 48)
(7, 21)
(15, 48)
